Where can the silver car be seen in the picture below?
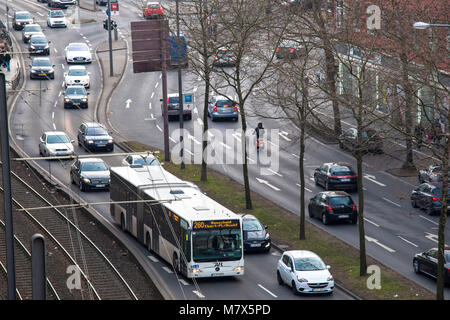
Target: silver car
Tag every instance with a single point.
(220, 107)
(55, 143)
(29, 30)
(90, 173)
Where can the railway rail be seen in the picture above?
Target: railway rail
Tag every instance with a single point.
(99, 278)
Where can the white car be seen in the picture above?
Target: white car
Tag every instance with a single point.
(144, 160)
(304, 272)
(56, 19)
(78, 52)
(55, 143)
(78, 76)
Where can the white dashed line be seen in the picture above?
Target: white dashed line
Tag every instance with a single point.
(54, 49)
(298, 185)
(199, 294)
(152, 95)
(62, 65)
(156, 85)
(183, 282)
(150, 106)
(273, 295)
(173, 140)
(159, 128)
(188, 151)
(415, 245)
(376, 225)
(429, 220)
(227, 146)
(54, 126)
(53, 116)
(395, 204)
(153, 258)
(167, 270)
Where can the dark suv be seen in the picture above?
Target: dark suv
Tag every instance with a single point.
(255, 235)
(427, 196)
(90, 173)
(371, 141)
(94, 136)
(338, 175)
(331, 206)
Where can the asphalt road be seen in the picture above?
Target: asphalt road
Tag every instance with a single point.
(395, 229)
(35, 113)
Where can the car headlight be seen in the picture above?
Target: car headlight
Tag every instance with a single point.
(330, 278)
(267, 236)
(300, 279)
(27, 36)
(195, 270)
(87, 180)
(90, 141)
(34, 71)
(32, 47)
(110, 141)
(239, 268)
(46, 47)
(66, 99)
(84, 99)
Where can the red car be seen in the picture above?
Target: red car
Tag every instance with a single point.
(153, 10)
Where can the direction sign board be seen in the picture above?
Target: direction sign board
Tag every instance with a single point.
(148, 39)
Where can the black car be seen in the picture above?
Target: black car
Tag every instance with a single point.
(94, 136)
(42, 68)
(29, 30)
(336, 176)
(331, 206)
(427, 196)
(255, 235)
(21, 18)
(76, 97)
(39, 45)
(224, 57)
(90, 173)
(427, 262)
(371, 141)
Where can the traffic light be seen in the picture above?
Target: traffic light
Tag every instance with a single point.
(113, 25)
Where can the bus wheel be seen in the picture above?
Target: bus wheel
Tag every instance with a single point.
(175, 263)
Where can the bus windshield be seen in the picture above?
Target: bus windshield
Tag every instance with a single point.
(217, 245)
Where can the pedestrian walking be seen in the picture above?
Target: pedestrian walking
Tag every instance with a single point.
(5, 57)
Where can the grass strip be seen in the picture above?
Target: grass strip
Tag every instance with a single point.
(284, 230)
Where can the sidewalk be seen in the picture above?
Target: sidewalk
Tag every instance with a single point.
(12, 76)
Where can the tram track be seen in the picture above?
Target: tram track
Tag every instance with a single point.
(99, 278)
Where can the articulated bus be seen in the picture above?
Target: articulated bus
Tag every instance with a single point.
(174, 219)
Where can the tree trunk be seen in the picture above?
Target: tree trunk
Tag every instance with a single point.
(248, 200)
(362, 234)
(331, 81)
(302, 176)
(204, 172)
(409, 99)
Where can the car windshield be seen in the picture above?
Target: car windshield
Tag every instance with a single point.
(97, 131)
(93, 166)
(23, 16)
(38, 40)
(216, 245)
(56, 14)
(77, 72)
(149, 161)
(173, 100)
(29, 28)
(224, 52)
(251, 225)
(339, 201)
(224, 103)
(309, 264)
(153, 6)
(75, 91)
(58, 139)
(42, 63)
(78, 47)
(341, 171)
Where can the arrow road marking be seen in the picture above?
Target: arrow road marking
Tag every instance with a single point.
(267, 184)
(283, 135)
(373, 179)
(433, 237)
(380, 244)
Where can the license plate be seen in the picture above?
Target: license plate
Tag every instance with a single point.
(343, 216)
(100, 185)
(317, 289)
(345, 180)
(39, 51)
(42, 74)
(101, 145)
(255, 244)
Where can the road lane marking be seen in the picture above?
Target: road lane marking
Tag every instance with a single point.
(188, 151)
(267, 184)
(251, 160)
(152, 95)
(395, 204)
(274, 172)
(298, 185)
(159, 128)
(54, 126)
(54, 49)
(167, 270)
(284, 135)
(63, 66)
(225, 145)
(273, 295)
(193, 139)
(298, 157)
(379, 244)
(153, 258)
(173, 140)
(156, 85)
(429, 220)
(150, 106)
(199, 294)
(373, 179)
(183, 282)
(415, 245)
(376, 225)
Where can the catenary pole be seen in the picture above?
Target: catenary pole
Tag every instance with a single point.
(7, 192)
(180, 87)
(111, 68)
